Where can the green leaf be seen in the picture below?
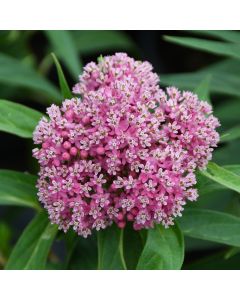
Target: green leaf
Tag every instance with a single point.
(70, 239)
(202, 90)
(5, 238)
(231, 252)
(110, 249)
(219, 48)
(214, 262)
(18, 119)
(233, 205)
(225, 78)
(206, 185)
(228, 153)
(15, 73)
(221, 82)
(222, 176)
(233, 168)
(18, 189)
(64, 46)
(226, 35)
(32, 248)
(85, 254)
(132, 245)
(231, 134)
(95, 41)
(228, 65)
(211, 226)
(65, 90)
(228, 112)
(164, 249)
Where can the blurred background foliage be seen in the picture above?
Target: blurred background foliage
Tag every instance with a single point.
(184, 59)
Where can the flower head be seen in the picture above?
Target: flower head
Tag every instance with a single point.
(123, 151)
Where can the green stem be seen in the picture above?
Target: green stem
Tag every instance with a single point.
(99, 256)
(121, 250)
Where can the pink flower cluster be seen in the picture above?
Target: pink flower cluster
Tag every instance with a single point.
(124, 151)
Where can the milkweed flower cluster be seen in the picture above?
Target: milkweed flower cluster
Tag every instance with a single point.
(122, 149)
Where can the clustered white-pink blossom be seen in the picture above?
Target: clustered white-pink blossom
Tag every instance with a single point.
(123, 151)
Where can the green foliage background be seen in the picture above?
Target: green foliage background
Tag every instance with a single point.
(208, 234)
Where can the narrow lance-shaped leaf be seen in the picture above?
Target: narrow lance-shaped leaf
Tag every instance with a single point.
(231, 134)
(110, 249)
(95, 41)
(220, 48)
(225, 35)
(206, 185)
(15, 73)
(64, 46)
(220, 84)
(233, 168)
(18, 189)
(228, 112)
(65, 90)
(164, 249)
(232, 252)
(18, 119)
(32, 248)
(211, 225)
(222, 176)
(202, 89)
